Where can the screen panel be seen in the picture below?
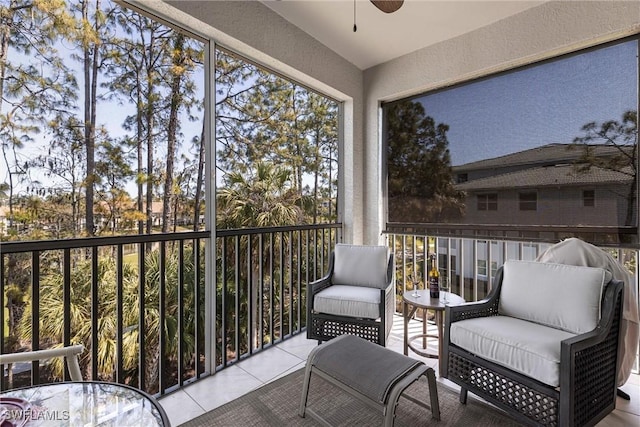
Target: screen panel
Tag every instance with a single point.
(548, 147)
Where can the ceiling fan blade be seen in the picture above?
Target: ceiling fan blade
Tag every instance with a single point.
(387, 6)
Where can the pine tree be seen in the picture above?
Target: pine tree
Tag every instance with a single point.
(623, 137)
(420, 182)
(29, 91)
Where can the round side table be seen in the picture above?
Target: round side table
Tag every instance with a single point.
(410, 304)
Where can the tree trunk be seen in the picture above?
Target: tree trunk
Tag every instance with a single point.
(139, 145)
(90, 94)
(150, 148)
(199, 181)
(5, 35)
(176, 101)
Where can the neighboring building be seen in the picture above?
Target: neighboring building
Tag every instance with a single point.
(104, 214)
(543, 186)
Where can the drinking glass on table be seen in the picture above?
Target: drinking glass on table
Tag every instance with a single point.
(417, 278)
(444, 289)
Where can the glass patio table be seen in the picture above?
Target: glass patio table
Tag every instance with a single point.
(90, 403)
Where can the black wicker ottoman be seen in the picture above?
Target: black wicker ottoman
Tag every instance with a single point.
(373, 374)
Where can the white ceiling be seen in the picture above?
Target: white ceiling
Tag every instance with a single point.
(381, 36)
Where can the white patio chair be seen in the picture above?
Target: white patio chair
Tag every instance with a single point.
(69, 353)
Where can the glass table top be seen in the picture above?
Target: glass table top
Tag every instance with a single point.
(79, 404)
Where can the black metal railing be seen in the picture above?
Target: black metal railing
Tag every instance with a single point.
(265, 272)
(112, 300)
(604, 236)
(137, 303)
(470, 264)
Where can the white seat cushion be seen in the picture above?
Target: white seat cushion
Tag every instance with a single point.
(351, 301)
(360, 265)
(526, 347)
(561, 296)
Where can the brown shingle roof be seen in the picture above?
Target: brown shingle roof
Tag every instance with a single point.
(545, 154)
(547, 176)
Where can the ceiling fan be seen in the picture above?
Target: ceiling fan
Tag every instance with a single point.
(387, 6)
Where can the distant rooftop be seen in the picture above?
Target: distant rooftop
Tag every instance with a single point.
(545, 154)
(564, 175)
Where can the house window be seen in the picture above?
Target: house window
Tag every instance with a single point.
(482, 267)
(462, 177)
(488, 202)
(528, 201)
(494, 268)
(588, 198)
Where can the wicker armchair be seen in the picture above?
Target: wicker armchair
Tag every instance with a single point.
(356, 296)
(581, 387)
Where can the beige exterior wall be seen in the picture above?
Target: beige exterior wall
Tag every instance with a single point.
(556, 206)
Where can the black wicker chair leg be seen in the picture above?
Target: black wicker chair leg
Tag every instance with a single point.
(463, 396)
(623, 395)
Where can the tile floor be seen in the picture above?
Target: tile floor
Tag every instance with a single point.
(231, 383)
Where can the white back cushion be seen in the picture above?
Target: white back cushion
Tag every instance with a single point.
(360, 265)
(561, 296)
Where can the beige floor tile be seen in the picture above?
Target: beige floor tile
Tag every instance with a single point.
(223, 387)
(180, 407)
(288, 356)
(269, 364)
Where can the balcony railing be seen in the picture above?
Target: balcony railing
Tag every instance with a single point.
(266, 272)
(139, 304)
(469, 264)
(112, 294)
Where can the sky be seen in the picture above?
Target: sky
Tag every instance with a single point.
(515, 111)
(547, 103)
(111, 113)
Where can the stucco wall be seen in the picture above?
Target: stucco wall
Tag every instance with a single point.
(560, 206)
(539, 33)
